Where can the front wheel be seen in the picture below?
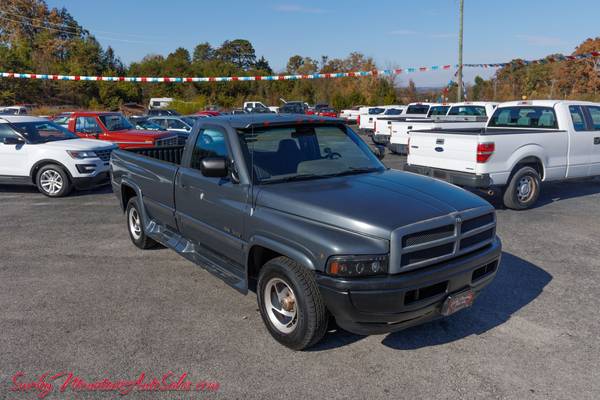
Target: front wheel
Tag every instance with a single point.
(523, 190)
(290, 304)
(53, 181)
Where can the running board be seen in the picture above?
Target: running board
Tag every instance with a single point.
(199, 255)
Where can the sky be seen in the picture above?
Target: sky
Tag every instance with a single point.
(397, 34)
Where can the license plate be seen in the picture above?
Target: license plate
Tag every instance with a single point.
(458, 301)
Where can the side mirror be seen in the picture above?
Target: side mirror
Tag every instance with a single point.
(379, 152)
(13, 140)
(214, 167)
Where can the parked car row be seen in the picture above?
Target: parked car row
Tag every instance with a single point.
(523, 144)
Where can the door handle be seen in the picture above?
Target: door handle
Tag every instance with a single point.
(597, 140)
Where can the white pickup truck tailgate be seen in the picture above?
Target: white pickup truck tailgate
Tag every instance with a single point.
(442, 150)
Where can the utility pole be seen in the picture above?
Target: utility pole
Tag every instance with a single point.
(460, 53)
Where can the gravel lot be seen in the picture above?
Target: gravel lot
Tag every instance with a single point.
(77, 296)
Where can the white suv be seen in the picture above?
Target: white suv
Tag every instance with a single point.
(36, 151)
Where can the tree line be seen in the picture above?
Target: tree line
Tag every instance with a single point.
(40, 39)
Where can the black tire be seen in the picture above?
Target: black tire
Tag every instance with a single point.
(53, 181)
(515, 196)
(137, 236)
(311, 315)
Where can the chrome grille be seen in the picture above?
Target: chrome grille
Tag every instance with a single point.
(440, 239)
(104, 155)
(169, 141)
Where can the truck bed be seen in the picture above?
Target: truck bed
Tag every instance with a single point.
(171, 154)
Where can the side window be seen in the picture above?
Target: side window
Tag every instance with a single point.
(209, 143)
(595, 116)
(87, 125)
(577, 117)
(175, 124)
(6, 131)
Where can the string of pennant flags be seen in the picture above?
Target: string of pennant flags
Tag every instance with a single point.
(383, 72)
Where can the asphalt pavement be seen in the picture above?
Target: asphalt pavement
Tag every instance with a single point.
(76, 295)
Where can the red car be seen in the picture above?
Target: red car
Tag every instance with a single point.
(327, 112)
(114, 127)
(209, 113)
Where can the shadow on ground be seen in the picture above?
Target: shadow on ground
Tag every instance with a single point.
(517, 283)
(75, 193)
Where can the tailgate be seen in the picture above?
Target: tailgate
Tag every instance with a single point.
(455, 152)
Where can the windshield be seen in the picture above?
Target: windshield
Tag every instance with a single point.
(376, 110)
(42, 131)
(438, 110)
(478, 111)
(417, 109)
(188, 120)
(281, 154)
(393, 111)
(115, 122)
(524, 117)
(147, 125)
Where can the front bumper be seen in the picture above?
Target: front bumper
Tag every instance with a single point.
(89, 182)
(465, 179)
(397, 148)
(392, 303)
(381, 139)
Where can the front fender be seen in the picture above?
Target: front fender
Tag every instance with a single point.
(290, 250)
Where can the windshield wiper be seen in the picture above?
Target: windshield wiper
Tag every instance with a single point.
(356, 170)
(301, 177)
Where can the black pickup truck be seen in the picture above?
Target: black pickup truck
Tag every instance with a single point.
(301, 210)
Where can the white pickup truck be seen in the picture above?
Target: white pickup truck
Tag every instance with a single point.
(459, 116)
(412, 112)
(368, 116)
(525, 143)
(36, 151)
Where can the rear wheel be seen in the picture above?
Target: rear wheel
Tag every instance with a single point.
(523, 190)
(53, 181)
(135, 227)
(290, 304)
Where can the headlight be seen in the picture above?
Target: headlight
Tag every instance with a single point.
(356, 266)
(81, 154)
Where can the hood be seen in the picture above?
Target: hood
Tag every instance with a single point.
(373, 204)
(142, 134)
(79, 144)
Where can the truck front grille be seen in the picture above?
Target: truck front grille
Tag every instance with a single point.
(104, 155)
(433, 244)
(169, 141)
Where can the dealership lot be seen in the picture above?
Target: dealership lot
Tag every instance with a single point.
(76, 295)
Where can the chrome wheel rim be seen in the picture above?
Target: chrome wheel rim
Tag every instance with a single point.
(525, 189)
(51, 181)
(281, 306)
(135, 226)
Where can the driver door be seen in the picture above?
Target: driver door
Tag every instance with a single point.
(211, 211)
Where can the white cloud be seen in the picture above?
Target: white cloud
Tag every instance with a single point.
(295, 8)
(539, 40)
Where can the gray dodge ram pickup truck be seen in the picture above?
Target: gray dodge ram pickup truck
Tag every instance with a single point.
(300, 210)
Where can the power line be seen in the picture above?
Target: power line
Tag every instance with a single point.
(73, 33)
(77, 29)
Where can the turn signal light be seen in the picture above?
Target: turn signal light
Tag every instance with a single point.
(484, 152)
